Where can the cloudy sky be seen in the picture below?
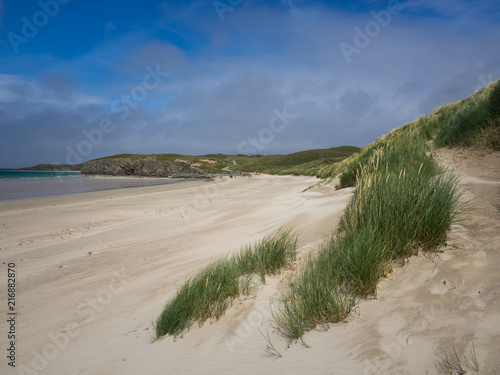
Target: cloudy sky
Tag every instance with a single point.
(85, 79)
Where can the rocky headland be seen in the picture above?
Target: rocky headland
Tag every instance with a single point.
(144, 167)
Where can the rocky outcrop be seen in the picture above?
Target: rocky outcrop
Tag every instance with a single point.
(146, 167)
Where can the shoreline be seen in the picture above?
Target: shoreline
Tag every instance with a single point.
(90, 196)
(51, 187)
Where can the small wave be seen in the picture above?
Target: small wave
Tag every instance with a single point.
(33, 179)
(36, 176)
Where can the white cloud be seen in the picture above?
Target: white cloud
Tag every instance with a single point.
(48, 90)
(109, 27)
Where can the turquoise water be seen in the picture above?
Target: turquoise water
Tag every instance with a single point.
(7, 175)
(28, 184)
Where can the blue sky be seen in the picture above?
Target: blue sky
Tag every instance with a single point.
(85, 79)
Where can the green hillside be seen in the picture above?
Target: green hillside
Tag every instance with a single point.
(304, 162)
(298, 163)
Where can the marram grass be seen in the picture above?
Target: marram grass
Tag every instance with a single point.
(471, 122)
(474, 121)
(402, 203)
(209, 293)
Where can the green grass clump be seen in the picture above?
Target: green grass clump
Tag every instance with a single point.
(204, 296)
(403, 197)
(349, 168)
(330, 286)
(268, 256)
(455, 360)
(403, 202)
(209, 293)
(316, 297)
(474, 121)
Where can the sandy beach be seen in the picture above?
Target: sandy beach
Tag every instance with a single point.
(94, 271)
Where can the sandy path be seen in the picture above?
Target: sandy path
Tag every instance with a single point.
(94, 270)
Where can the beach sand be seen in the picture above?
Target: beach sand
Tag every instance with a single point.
(94, 271)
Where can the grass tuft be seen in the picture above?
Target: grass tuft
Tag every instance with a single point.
(471, 360)
(270, 350)
(209, 293)
(455, 361)
(474, 121)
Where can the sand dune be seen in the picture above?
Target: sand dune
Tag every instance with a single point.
(95, 270)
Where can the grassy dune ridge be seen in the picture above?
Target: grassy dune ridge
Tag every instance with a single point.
(402, 203)
(474, 121)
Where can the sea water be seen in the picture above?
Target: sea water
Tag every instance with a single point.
(15, 175)
(16, 184)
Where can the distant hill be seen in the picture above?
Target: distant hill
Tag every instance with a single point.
(298, 163)
(162, 165)
(54, 167)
